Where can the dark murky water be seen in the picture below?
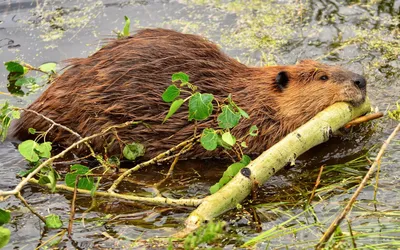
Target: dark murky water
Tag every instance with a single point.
(363, 36)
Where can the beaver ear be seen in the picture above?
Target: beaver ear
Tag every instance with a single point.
(282, 80)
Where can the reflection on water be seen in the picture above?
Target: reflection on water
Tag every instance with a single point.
(363, 36)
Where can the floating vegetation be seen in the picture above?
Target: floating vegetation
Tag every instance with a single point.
(54, 22)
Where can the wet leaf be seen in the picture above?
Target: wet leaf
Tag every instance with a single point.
(180, 76)
(85, 182)
(126, 26)
(214, 188)
(209, 139)
(5, 216)
(53, 221)
(25, 81)
(114, 161)
(200, 106)
(253, 130)
(228, 117)
(133, 151)
(48, 67)
(229, 173)
(171, 93)
(242, 112)
(174, 107)
(4, 236)
(44, 149)
(14, 67)
(228, 138)
(27, 150)
(15, 114)
(245, 160)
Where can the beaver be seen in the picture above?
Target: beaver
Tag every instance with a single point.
(125, 79)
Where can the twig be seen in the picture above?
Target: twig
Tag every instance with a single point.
(51, 121)
(159, 158)
(19, 196)
(349, 205)
(72, 212)
(60, 155)
(51, 239)
(317, 182)
(171, 168)
(364, 118)
(154, 200)
(353, 241)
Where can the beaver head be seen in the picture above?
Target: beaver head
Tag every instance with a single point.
(305, 89)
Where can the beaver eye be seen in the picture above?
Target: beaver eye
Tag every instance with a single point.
(323, 78)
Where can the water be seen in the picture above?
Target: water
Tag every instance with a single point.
(362, 36)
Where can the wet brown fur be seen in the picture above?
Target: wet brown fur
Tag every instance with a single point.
(125, 79)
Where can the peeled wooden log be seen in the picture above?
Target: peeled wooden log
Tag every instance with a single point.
(314, 132)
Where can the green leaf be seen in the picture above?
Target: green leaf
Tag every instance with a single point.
(14, 67)
(53, 221)
(225, 179)
(133, 151)
(27, 150)
(48, 67)
(242, 112)
(233, 104)
(4, 236)
(236, 167)
(209, 139)
(44, 149)
(5, 216)
(80, 169)
(180, 76)
(200, 106)
(253, 130)
(228, 117)
(174, 107)
(245, 160)
(85, 182)
(214, 188)
(171, 93)
(31, 131)
(43, 180)
(15, 114)
(228, 138)
(126, 26)
(24, 173)
(52, 176)
(25, 81)
(243, 144)
(114, 161)
(229, 173)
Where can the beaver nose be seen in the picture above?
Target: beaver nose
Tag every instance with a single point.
(360, 81)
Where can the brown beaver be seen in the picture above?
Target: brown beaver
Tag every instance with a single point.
(124, 81)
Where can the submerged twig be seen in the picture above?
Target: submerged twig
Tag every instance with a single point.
(153, 200)
(327, 235)
(19, 196)
(317, 182)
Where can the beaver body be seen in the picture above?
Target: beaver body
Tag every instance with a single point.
(124, 81)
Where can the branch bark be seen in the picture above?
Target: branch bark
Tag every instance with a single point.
(314, 132)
